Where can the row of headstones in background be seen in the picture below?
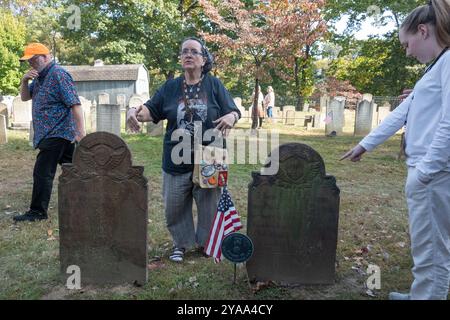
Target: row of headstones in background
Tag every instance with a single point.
(286, 115)
(103, 211)
(107, 117)
(332, 117)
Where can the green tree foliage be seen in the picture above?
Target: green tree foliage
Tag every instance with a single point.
(130, 31)
(377, 66)
(358, 10)
(12, 41)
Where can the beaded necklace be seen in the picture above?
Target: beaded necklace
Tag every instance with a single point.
(190, 95)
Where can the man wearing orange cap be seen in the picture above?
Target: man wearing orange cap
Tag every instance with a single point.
(57, 123)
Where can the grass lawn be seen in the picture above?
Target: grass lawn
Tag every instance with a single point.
(372, 230)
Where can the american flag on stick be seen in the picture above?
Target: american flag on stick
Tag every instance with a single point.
(227, 221)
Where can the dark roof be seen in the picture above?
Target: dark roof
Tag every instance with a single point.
(120, 72)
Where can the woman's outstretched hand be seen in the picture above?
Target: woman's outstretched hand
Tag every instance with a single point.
(136, 115)
(354, 154)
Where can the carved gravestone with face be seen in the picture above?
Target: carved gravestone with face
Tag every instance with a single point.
(293, 220)
(102, 209)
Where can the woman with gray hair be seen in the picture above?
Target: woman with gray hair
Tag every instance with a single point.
(195, 100)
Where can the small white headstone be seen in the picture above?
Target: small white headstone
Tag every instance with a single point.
(135, 101)
(103, 98)
(3, 133)
(21, 113)
(108, 118)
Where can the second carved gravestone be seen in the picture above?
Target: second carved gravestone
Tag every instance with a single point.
(103, 213)
(293, 220)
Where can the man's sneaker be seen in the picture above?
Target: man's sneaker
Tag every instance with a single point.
(399, 296)
(177, 254)
(30, 216)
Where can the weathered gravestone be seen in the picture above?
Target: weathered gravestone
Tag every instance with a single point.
(93, 116)
(21, 114)
(4, 112)
(383, 112)
(364, 113)
(86, 107)
(293, 220)
(3, 133)
(103, 98)
(289, 115)
(102, 208)
(335, 120)
(122, 101)
(108, 118)
(135, 101)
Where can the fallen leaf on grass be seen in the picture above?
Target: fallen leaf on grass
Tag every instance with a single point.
(401, 244)
(50, 235)
(156, 265)
(262, 285)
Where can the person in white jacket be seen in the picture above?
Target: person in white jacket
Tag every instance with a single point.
(425, 34)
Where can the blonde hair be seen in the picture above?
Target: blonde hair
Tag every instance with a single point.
(437, 13)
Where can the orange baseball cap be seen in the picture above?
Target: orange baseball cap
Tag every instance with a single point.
(33, 49)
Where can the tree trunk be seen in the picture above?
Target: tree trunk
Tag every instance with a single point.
(297, 80)
(300, 75)
(254, 111)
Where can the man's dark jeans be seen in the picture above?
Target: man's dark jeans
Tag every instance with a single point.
(51, 152)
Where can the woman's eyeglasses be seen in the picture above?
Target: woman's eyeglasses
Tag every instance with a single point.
(192, 52)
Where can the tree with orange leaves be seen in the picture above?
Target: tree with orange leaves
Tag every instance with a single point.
(263, 34)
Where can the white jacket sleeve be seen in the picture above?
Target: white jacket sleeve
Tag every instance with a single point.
(393, 122)
(438, 154)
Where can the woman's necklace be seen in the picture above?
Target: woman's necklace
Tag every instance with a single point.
(189, 96)
(191, 91)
